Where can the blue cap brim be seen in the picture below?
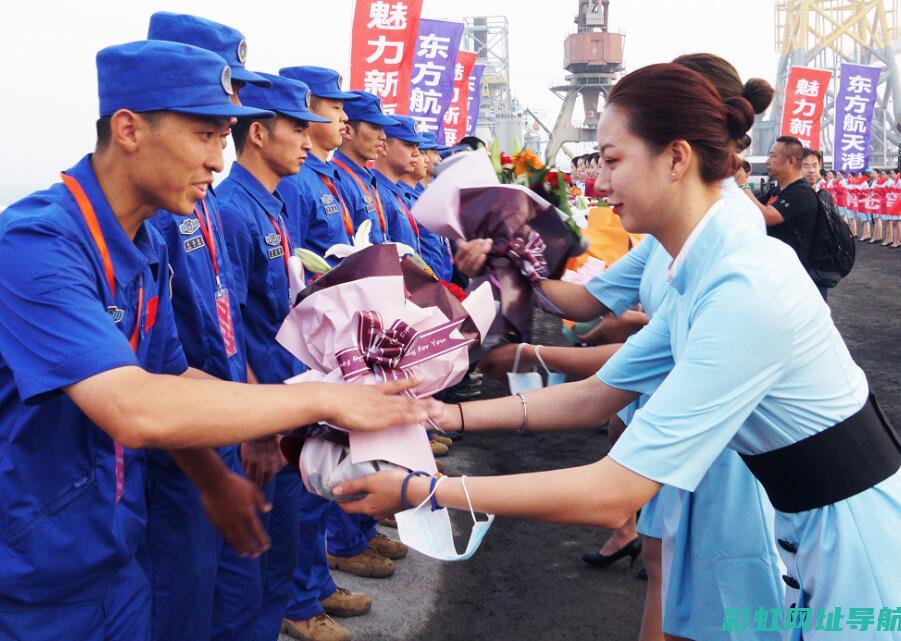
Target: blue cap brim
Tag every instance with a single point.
(335, 95)
(429, 145)
(419, 140)
(225, 111)
(378, 119)
(306, 116)
(244, 75)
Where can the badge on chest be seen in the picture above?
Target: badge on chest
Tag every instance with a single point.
(189, 226)
(329, 204)
(193, 244)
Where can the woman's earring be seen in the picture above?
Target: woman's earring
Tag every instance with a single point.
(673, 174)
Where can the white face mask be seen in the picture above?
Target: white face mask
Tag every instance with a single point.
(430, 533)
(522, 382)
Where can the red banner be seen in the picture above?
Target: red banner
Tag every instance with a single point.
(381, 54)
(455, 116)
(802, 113)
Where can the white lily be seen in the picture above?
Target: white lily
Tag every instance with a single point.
(312, 261)
(360, 241)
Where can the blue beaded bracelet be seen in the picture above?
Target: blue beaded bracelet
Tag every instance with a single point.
(434, 498)
(403, 488)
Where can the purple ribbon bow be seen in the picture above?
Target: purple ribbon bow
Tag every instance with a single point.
(528, 256)
(390, 352)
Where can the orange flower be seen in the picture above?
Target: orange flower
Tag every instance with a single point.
(525, 162)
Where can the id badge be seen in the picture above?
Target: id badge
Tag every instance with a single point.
(226, 328)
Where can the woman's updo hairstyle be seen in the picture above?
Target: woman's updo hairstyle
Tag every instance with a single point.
(667, 102)
(728, 83)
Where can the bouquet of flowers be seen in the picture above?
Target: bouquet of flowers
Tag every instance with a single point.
(532, 237)
(377, 316)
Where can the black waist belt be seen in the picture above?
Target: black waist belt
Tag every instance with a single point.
(839, 462)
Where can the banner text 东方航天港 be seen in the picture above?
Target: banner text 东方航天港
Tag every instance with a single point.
(381, 55)
(854, 108)
(432, 82)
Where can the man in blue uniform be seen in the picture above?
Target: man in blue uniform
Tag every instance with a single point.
(398, 158)
(364, 136)
(434, 249)
(318, 216)
(259, 244)
(181, 550)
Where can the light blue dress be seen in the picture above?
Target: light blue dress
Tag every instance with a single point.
(757, 364)
(718, 548)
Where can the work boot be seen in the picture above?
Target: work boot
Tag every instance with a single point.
(321, 627)
(344, 603)
(368, 563)
(438, 449)
(444, 440)
(388, 547)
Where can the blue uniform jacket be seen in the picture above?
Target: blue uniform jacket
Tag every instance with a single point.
(433, 249)
(62, 532)
(314, 214)
(253, 224)
(399, 228)
(362, 206)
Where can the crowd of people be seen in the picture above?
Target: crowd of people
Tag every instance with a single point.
(143, 491)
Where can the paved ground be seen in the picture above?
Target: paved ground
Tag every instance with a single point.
(527, 581)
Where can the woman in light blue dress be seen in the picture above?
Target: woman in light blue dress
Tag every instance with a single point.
(742, 354)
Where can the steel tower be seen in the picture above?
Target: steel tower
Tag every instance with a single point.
(823, 34)
(594, 58)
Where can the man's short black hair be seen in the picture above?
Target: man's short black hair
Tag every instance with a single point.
(792, 147)
(808, 152)
(241, 129)
(104, 129)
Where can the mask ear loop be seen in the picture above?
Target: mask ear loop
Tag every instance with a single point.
(541, 360)
(432, 493)
(519, 349)
(468, 500)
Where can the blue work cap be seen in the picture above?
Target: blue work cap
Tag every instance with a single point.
(367, 108)
(431, 141)
(406, 129)
(283, 96)
(206, 34)
(156, 75)
(323, 83)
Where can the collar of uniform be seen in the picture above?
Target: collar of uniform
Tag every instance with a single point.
(386, 183)
(362, 172)
(326, 169)
(269, 201)
(685, 263)
(129, 257)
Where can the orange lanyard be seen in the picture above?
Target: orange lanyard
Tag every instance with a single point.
(206, 228)
(412, 220)
(348, 223)
(375, 198)
(90, 217)
(286, 251)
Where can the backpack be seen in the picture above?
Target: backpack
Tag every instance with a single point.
(832, 248)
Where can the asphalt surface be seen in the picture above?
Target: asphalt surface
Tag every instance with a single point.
(527, 581)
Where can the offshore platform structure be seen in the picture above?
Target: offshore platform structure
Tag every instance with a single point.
(594, 58)
(823, 34)
(488, 37)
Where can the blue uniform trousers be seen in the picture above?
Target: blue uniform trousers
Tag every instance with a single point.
(179, 553)
(277, 565)
(239, 586)
(120, 613)
(348, 534)
(312, 580)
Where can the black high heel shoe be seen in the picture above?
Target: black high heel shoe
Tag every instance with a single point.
(598, 560)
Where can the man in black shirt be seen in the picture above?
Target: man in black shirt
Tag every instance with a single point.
(790, 210)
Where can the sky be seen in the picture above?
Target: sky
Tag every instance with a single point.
(50, 86)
